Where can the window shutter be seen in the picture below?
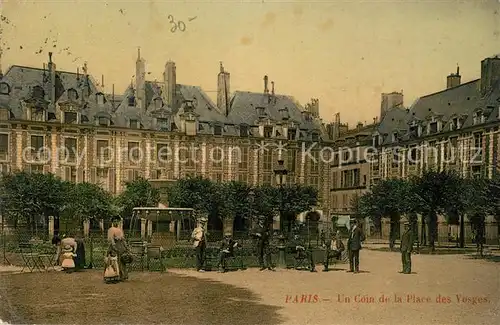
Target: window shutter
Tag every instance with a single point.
(93, 175)
(112, 180)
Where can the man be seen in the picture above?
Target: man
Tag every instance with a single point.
(226, 250)
(199, 243)
(356, 236)
(406, 248)
(334, 249)
(118, 246)
(302, 251)
(261, 233)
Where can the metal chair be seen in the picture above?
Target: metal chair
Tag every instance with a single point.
(47, 256)
(154, 252)
(138, 251)
(30, 258)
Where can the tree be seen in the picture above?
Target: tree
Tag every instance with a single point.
(191, 192)
(89, 201)
(33, 197)
(294, 199)
(266, 202)
(494, 201)
(389, 198)
(432, 192)
(139, 193)
(231, 200)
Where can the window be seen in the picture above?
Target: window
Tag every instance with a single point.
(244, 131)
(38, 92)
(243, 160)
(70, 149)
(243, 177)
(268, 131)
(292, 134)
(102, 150)
(37, 143)
(38, 114)
(217, 130)
(158, 103)
(134, 124)
(103, 121)
(454, 125)
(133, 152)
(4, 88)
(314, 162)
(292, 157)
(70, 117)
(413, 156)
(131, 101)
(4, 145)
(261, 111)
(433, 127)
(375, 141)
(162, 124)
(162, 153)
(414, 131)
(217, 177)
(267, 179)
(394, 136)
(72, 94)
(315, 137)
(268, 160)
(217, 156)
(100, 99)
(334, 180)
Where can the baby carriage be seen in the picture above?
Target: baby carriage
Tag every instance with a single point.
(112, 268)
(67, 261)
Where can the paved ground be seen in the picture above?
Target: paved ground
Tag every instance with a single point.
(254, 297)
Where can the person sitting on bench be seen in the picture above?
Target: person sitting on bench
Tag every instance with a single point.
(226, 250)
(333, 250)
(303, 253)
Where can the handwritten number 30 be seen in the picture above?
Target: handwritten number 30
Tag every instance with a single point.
(180, 24)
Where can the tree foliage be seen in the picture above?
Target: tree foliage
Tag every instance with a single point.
(89, 201)
(139, 193)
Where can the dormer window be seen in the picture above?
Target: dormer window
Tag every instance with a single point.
(375, 141)
(72, 94)
(315, 136)
(38, 92)
(455, 124)
(103, 121)
(292, 134)
(244, 131)
(158, 103)
(394, 136)
(433, 127)
(478, 117)
(4, 88)
(134, 124)
(131, 101)
(268, 131)
(70, 117)
(100, 99)
(284, 113)
(162, 124)
(217, 130)
(38, 114)
(261, 111)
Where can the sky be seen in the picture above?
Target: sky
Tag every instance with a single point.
(345, 53)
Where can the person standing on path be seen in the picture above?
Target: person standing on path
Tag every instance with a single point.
(261, 233)
(199, 243)
(356, 236)
(406, 248)
(118, 246)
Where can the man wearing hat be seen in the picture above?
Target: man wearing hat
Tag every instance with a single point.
(356, 236)
(199, 242)
(406, 248)
(226, 250)
(334, 249)
(261, 233)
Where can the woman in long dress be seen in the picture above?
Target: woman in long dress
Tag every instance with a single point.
(118, 247)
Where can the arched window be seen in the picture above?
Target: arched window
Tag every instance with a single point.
(100, 99)
(38, 92)
(72, 94)
(158, 103)
(131, 101)
(4, 88)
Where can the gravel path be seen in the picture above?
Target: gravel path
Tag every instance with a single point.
(254, 297)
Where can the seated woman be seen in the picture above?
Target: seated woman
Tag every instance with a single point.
(226, 250)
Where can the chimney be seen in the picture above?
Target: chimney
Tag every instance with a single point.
(77, 74)
(113, 97)
(266, 90)
(140, 80)
(223, 90)
(490, 74)
(453, 79)
(102, 82)
(272, 88)
(52, 82)
(169, 84)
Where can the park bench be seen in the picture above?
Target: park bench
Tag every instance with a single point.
(234, 262)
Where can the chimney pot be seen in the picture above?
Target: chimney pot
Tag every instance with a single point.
(50, 57)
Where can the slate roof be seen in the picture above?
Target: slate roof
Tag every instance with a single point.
(242, 110)
(460, 101)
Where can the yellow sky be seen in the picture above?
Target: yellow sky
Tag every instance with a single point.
(346, 53)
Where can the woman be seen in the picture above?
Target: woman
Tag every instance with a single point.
(118, 247)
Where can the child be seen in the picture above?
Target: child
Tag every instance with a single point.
(111, 271)
(67, 263)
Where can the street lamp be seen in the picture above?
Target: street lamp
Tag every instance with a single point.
(251, 200)
(280, 172)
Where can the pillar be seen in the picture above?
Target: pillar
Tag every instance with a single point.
(101, 224)
(178, 229)
(86, 227)
(172, 226)
(143, 228)
(51, 226)
(150, 228)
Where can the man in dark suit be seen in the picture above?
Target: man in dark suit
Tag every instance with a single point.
(261, 234)
(406, 248)
(356, 236)
(226, 250)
